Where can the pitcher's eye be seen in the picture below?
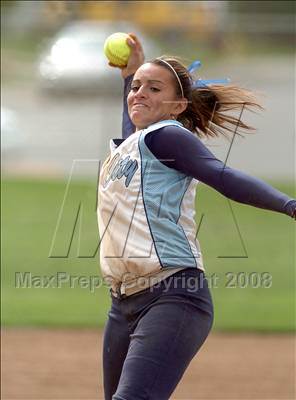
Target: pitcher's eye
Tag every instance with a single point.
(154, 89)
(134, 88)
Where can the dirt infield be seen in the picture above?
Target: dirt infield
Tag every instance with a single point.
(66, 364)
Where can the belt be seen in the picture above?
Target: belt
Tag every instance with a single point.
(122, 291)
(125, 289)
(117, 293)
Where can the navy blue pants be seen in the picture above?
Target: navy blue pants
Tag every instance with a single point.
(151, 336)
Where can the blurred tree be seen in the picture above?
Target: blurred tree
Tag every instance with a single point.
(249, 7)
(8, 3)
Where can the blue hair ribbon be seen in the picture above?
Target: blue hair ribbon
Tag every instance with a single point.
(193, 66)
(204, 82)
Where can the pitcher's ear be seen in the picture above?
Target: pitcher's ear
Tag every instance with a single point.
(182, 105)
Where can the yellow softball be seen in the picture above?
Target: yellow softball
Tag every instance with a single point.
(116, 49)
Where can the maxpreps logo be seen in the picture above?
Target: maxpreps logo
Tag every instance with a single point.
(119, 167)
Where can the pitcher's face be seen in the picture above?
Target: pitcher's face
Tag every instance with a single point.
(153, 96)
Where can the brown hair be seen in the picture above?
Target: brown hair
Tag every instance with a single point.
(207, 113)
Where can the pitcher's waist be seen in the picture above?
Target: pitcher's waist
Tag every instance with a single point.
(127, 288)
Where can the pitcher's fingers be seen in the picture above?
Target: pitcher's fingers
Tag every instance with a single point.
(131, 42)
(135, 38)
(115, 66)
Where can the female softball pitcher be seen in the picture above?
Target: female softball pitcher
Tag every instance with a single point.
(162, 310)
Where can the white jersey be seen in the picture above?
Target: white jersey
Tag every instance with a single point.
(146, 212)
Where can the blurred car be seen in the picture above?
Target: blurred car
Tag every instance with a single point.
(74, 59)
(12, 138)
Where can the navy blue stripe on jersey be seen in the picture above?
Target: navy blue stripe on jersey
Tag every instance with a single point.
(127, 126)
(186, 153)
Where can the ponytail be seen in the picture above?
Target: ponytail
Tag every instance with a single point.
(210, 108)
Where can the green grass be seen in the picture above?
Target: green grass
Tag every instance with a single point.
(37, 226)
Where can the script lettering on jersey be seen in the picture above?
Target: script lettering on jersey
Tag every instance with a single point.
(120, 167)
